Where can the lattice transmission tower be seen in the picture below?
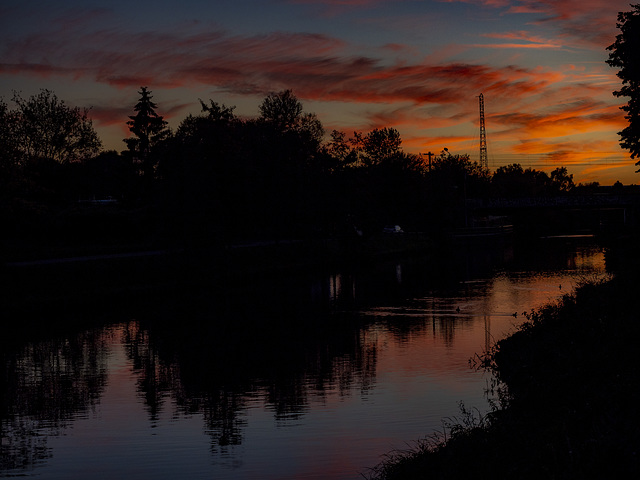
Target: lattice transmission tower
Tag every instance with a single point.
(484, 162)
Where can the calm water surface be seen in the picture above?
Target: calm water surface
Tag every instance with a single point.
(313, 377)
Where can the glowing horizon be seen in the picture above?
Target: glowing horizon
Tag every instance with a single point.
(358, 64)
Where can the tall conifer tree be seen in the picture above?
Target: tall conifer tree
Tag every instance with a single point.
(148, 128)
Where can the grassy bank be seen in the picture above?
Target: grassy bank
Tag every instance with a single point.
(569, 390)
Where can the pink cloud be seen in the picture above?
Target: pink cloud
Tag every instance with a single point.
(593, 21)
(313, 65)
(589, 22)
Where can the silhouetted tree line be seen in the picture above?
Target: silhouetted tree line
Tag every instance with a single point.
(222, 177)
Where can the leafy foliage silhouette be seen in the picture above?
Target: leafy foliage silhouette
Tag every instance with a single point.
(624, 56)
(221, 178)
(44, 127)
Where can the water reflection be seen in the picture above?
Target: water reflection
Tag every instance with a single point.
(375, 354)
(219, 359)
(45, 386)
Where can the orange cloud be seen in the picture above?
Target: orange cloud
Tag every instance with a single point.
(457, 145)
(424, 91)
(584, 157)
(597, 171)
(316, 66)
(578, 116)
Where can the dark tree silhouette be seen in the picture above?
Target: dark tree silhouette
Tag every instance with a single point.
(44, 127)
(514, 181)
(218, 113)
(149, 128)
(106, 175)
(381, 145)
(42, 142)
(9, 154)
(285, 112)
(624, 56)
(458, 170)
(286, 141)
(283, 109)
(561, 180)
(339, 150)
(373, 182)
(200, 171)
(452, 179)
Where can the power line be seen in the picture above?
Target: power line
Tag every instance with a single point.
(556, 162)
(622, 164)
(540, 161)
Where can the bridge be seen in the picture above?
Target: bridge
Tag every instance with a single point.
(596, 213)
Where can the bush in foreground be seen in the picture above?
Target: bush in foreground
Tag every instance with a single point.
(568, 384)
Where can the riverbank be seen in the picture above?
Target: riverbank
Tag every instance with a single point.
(43, 276)
(568, 389)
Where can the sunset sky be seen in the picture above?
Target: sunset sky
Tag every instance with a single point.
(414, 65)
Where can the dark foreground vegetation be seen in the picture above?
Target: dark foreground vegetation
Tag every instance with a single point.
(568, 389)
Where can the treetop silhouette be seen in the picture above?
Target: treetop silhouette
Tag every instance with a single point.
(146, 124)
(624, 55)
(44, 127)
(149, 128)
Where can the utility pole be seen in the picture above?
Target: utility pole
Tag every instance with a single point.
(428, 154)
(484, 162)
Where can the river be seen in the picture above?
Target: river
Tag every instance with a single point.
(315, 376)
